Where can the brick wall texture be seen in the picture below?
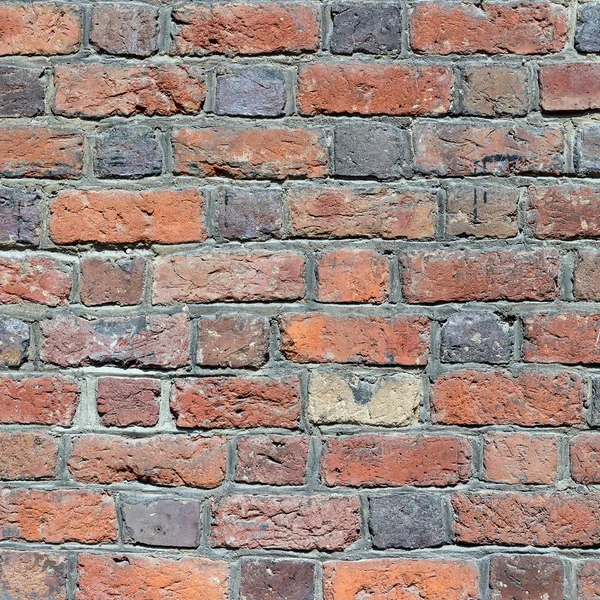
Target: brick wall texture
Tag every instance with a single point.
(300, 300)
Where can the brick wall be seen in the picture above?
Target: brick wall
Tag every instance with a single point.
(299, 300)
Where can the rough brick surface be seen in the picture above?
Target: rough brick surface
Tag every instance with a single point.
(14, 342)
(106, 281)
(21, 92)
(27, 456)
(525, 577)
(20, 218)
(123, 402)
(273, 580)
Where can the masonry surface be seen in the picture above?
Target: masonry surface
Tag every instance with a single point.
(300, 300)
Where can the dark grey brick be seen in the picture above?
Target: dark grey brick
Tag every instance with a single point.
(587, 36)
(587, 157)
(475, 337)
(408, 521)
(249, 214)
(21, 92)
(594, 415)
(14, 342)
(160, 522)
(251, 92)
(370, 28)
(526, 577)
(369, 150)
(277, 580)
(126, 151)
(20, 217)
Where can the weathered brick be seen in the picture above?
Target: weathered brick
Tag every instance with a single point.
(53, 152)
(585, 281)
(20, 217)
(275, 580)
(526, 577)
(353, 276)
(369, 28)
(594, 413)
(58, 516)
(567, 337)
(492, 27)
(587, 148)
(43, 400)
(498, 398)
(104, 90)
(161, 522)
(234, 341)
(384, 461)
(127, 217)
(464, 275)
(251, 92)
(27, 455)
(584, 455)
(147, 578)
(21, 91)
(43, 28)
(168, 460)
(318, 337)
(475, 337)
(287, 522)
(392, 400)
(569, 86)
(408, 521)
(123, 402)
(463, 148)
(587, 36)
(588, 580)
(398, 578)
(393, 89)
(513, 518)
(236, 402)
(126, 151)
(14, 342)
(490, 91)
(32, 576)
(482, 211)
(143, 341)
(520, 458)
(229, 276)
(249, 153)
(240, 28)
(369, 149)
(362, 212)
(125, 29)
(272, 459)
(112, 281)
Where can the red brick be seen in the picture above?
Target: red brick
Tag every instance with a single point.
(588, 580)
(101, 576)
(465, 275)
(267, 28)
(229, 276)
(27, 455)
(513, 577)
(569, 520)
(286, 522)
(169, 460)
(101, 90)
(43, 400)
(499, 398)
(388, 213)
(112, 281)
(382, 461)
(568, 337)
(570, 86)
(317, 337)
(32, 576)
(492, 27)
(564, 211)
(397, 579)
(257, 153)
(57, 516)
(54, 152)
(585, 455)
(353, 276)
(374, 89)
(272, 459)
(463, 148)
(520, 458)
(146, 341)
(124, 217)
(234, 341)
(236, 402)
(123, 402)
(43, 28)
(585, 281)
(35, 279)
